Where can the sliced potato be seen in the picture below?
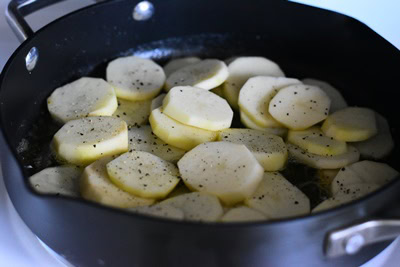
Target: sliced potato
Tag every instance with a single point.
(242, 214)
(353, 192)
(135, 78)
(133, 112)
(365, 171)
(337, 100)
(255, 95)
(276, 197)
(197, 107)
(157, 102)
(143, 139)
(85, 140)
(196, 206)
(243, 68)
(299, 106)
(325, 178)
(96, 186)
(314, 141)
(82, 98)
(252, 125)
(324, 162)
(351, 124)
(178, 63)
(60, 180)
(206, 74)
(157, 210)
(180, 189)
(143, 174)
(380, 145)
(226, 170)
(268, 149)
(177, 134)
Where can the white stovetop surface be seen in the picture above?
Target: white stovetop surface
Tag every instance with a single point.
(18, 245)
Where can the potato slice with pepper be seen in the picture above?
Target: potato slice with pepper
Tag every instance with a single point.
(276, 197)
(242, 214)
(81, 98)
(143, 174)
(135, 78)
(133, 112)
(226, 170)
(198, 108)
(252, 125)
(85, 140)
(96, 186)
(177, 134)
(270, 150)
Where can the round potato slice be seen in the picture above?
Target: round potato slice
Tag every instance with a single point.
(133, 112)
(226, 170)
(380, 145)
(269, 149)
(242, 214)
(60, 180)
(324, 162)
(135, 78)
(85, 140)
(143, 139)
(314, 141)
(143, 174)
(243, 68)
(337, 100)
(255, 95)
(276, 198)
(206, 74)
(158, 210)
(351, 124)
(196, 206)
(299, 106)
(252, 125)
(157, 102)
(197, 107)
(82, 98)
(96, 186)
(177, 134)
(178, 63)
(368, 172)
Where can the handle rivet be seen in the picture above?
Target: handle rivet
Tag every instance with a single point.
(31, 59)
(143, 11)
(354, 243)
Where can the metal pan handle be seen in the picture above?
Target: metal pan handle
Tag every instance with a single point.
(17, 11)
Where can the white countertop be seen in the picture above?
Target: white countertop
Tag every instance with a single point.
(20, 248)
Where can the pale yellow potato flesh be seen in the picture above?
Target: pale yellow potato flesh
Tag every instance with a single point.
(277, 198)
(270, 150)
(135, 78)
(143, 174)
(243, 68)
(323, 162)
(177, 134)
(243, 214)
(223, 169)
(60, 180)
(313, 140)
(157, 102)
(368, 172)
(256, 94)
(299, 107)
(82, 98)
(96, 186)
(352, 124)
(157, 210)
(178, 63)
(198, 108)
(141, 138)
(252, 125)
(85, 140)
(133, 112)
(196, 206)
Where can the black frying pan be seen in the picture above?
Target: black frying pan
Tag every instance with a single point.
(304, 41)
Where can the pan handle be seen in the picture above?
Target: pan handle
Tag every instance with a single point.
(18, 9)
(349, 240)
